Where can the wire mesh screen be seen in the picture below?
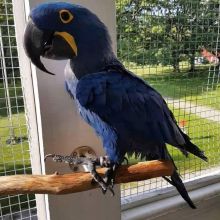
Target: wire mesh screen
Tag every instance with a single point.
(174, 46)
(14, 145)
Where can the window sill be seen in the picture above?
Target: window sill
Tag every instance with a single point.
(165, 201)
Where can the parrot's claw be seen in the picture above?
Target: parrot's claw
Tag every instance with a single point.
(61, 158)
(110, 175)
(110, 189)
(103, 186)
(48, 155)
(98, 179)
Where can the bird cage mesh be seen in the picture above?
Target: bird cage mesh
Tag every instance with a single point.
(174, 46)
(14, 144)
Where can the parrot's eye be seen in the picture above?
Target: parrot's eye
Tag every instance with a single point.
(65, 16)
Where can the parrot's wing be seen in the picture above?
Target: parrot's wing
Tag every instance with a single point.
(133, 108)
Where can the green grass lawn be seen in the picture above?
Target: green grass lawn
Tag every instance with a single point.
(14, 159)
(202, 87)
(16, 97)
(205, 134)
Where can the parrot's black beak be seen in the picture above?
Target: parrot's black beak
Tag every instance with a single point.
(35, 44)
(46, 43)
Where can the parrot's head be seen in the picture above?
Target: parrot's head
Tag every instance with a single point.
(66, 31)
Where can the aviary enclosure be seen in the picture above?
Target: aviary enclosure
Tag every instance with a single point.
(173, 45)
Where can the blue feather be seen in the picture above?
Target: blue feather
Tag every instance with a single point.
(128, 114)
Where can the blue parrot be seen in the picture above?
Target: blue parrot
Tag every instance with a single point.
(126, 112)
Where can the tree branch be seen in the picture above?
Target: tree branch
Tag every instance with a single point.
(78, 182)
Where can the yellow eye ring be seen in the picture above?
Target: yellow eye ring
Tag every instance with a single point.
(65, 16)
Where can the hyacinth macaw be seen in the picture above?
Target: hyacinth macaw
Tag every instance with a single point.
(126, 113)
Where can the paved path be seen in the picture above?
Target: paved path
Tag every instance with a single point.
(201, 111)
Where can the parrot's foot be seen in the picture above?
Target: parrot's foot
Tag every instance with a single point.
(76, 160)
(110, 175)
(111, 172)
(105, 183)
(99, 180)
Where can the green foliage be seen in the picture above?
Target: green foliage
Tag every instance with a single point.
(165, 32)
(16, 98)
(195, 89)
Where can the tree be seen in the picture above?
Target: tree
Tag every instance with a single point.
(166, 31)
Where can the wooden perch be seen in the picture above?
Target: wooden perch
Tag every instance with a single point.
(78, 182)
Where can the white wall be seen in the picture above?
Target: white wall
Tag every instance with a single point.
(61, 129)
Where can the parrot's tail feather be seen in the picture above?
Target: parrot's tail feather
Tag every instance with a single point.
(177, 182)
(188, 146)
(192, 148)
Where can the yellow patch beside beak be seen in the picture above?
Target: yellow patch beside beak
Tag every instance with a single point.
(69, 39)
